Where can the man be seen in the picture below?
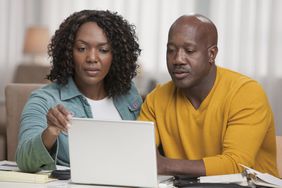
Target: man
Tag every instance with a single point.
(208, 119)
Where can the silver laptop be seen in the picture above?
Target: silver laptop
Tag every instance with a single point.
(120, 153)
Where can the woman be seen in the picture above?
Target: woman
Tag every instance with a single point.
(94, 56)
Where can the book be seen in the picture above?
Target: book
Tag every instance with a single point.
(228, 178)
(247, 178)
(262, 179)
(9, 172)
(15, 176)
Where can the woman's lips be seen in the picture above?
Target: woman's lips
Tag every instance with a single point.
(92, 72)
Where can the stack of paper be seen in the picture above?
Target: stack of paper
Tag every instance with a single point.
(250, 177)
(14, 176)
(263, 179)
(9, 172)
(229, 178)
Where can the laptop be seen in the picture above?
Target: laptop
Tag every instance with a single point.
(119, 153)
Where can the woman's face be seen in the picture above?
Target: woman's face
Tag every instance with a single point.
(92, 56)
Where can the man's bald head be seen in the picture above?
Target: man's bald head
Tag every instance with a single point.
(205, 27)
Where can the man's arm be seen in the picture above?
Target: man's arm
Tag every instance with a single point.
(168, 166)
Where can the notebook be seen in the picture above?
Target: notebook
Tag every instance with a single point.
(120, 153)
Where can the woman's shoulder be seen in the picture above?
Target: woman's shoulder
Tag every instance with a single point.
(132, 97)
(47, 91)
(42, 98)
(133, 91)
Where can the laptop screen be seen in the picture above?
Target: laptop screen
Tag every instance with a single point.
(119, 153)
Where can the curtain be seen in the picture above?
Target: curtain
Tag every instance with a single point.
(250, 35)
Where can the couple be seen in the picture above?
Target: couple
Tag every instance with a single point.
(208, 119)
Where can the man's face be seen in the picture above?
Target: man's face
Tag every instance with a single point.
(187, 55)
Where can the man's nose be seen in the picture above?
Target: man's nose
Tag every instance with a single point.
(179, 57)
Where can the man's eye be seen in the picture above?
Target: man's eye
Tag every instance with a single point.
(170, 50)
(189, 51)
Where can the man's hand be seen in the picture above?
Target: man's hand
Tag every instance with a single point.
(167, 166)
(57, 121)
(161, 162)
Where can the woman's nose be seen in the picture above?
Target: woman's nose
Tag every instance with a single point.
(92, 56)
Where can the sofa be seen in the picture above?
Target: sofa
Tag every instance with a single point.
(24, 73)
(3, 148)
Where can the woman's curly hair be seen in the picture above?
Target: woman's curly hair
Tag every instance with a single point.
(121, 36)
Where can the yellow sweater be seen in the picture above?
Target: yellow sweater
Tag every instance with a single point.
(233, 125)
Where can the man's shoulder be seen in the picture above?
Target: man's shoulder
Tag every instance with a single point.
(228, 73)
(165, 87)
(163, 90)
(234, 79)
(235, 82)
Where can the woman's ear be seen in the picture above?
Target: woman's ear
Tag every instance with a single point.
(212, 51)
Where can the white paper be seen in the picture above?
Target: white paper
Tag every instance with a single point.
(265, 177)
(9, 166)
(229, 178)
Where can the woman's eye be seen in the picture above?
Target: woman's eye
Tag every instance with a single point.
(81, 49)
(104, 50)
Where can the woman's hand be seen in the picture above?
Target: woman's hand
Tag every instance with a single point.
(57, 121)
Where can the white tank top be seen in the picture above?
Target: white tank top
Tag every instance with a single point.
(104, 109)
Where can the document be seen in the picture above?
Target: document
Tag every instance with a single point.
(9, 165)
(229, 178)
(9, 172)
(15, 176)
(247, 178)
(262, 179)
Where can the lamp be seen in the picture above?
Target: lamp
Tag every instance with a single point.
(36, 42)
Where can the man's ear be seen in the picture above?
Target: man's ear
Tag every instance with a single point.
(212, 53)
